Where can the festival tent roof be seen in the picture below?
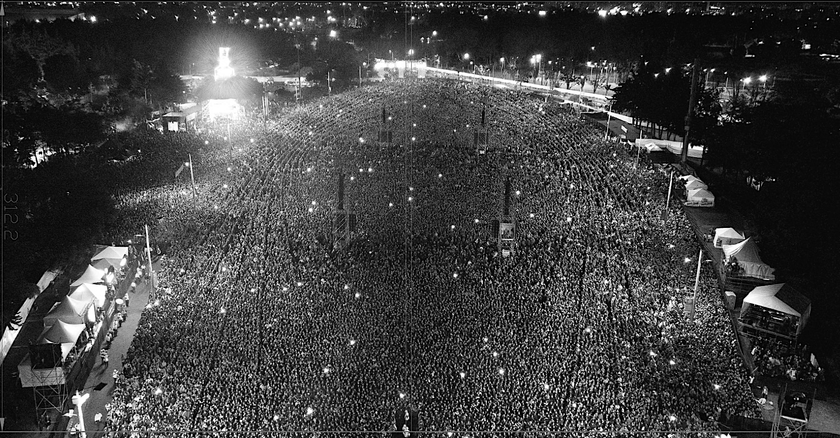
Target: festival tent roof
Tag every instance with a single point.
(111, 252)
(727, 236)
(700, 197)
(91, 275)
(746, 253)
(69, 310)
(695, 184)
(688, 178)
(105, 264)
(46, 279)
(780, 297)
(90, 292)
(62, 333)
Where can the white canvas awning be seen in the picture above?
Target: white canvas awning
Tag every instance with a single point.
(700, 198)
(747, 255)
(90, 292)
(111, 252)
(727, 236)
(695, 184)
(61, 333)
(782, 298)
(69, 310)
(91, 275)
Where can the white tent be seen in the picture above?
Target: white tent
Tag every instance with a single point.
(700, 198)
(782, 298)
(69, 310)
(746, 253)
(90, 292)
(105, 264)
(91, 275)
(695, 184)
(688, 178)
(111, 252)
(727, 236)
(62, 333)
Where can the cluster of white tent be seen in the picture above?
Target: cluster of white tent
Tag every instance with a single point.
(67, 320)
(780, 297)
(697, 193)
(735, 245)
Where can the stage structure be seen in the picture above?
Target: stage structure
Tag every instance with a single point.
(385, 133)
(344, 222)
(506, 232)
(222, 108)
(480, 137)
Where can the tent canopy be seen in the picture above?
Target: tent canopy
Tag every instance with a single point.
(695, 184)
(62, 333)
(780, 297)
(698, 197)
(727, 236)
(746, 253)
(111, 252)
(91, 275)
(90, 292)
(69, 310)
(105, 264)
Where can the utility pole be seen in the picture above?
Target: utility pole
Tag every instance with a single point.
(151, 271)
(192, 178)
(692, 102)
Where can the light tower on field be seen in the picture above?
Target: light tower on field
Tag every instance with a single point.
(223, 70)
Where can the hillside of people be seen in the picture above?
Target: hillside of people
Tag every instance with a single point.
(260, 323)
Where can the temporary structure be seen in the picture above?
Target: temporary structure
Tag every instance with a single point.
(91, 275)
(105, 264)
(69, 310)
(62, 333)
(111, 252)
(727, 236)
(700, 198)
(695, 184)
(746, 253)
(90, 292)
(782, 298)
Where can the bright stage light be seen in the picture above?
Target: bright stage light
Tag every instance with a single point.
(223, 70)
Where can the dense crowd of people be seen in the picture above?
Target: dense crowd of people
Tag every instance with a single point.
(259, 322)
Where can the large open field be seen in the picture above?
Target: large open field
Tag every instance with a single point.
(262, 326)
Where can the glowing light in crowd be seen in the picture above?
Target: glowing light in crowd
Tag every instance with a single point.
(229, 169)
(484, 339)
(215, 207)
(352, 342)
(224, 186)
(495, 354)
(352, 178)
(326, 370)
(275, 417)
(309, 169)
(410, 199)
(402, 395)
(361, 140)
(346, 286)
(413, 138)
(518, 193)
(309, 411)
(531, 215)
(390, 205)
(462, 374)
(602, 13)
(206, 142)
(454, 275)
(223, 70)
(670, 246)
(687, 259)
(501, 371)
(222, 311)
(370, 169)
(543, 13)
(545, 386)
(158, 391)
(672, 418)
(716, 386)
(285, 289)
(452, 227)
(653, 353)
(411, 189)
(671, 362)
(475, 220)
(440, 175)
(357, 295)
